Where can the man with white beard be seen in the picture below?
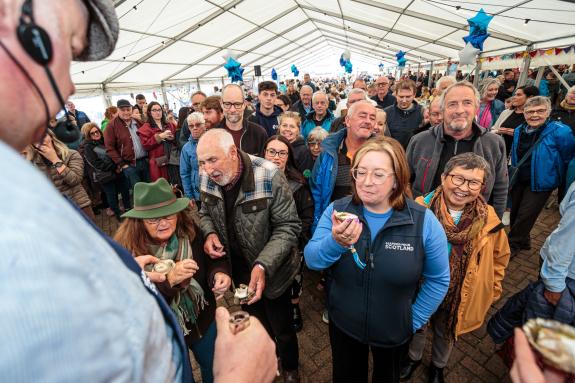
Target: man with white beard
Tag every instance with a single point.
(429, 151)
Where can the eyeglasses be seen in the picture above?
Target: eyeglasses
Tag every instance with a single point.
(198, 125)
(459, 181)
(95, 133)
(281, 154)
(155, 110)
(313, 143)
(382, 84)
(156, 221)
(534, 112)
(236, 105)
(378, 176)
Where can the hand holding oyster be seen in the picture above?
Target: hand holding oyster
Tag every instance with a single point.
(555, 341)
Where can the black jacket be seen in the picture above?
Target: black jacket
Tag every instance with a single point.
(403, 123)
(388, 100)
(95, 156)
(253, 138)
(298, 107)
(565, 116)
(531, 303)
(304, 206)
(302, 156)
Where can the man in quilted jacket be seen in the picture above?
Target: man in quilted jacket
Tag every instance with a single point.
(248, 215)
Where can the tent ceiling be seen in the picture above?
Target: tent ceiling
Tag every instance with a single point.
(178, 40)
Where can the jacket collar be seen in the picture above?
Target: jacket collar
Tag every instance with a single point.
(247, 179)
(408, 112)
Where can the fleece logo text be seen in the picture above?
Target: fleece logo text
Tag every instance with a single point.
(398, 246)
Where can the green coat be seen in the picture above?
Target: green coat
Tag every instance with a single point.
(266, 221)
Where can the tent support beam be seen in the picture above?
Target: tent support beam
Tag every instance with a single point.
(164, 94)
(430, 77)
(525, 67)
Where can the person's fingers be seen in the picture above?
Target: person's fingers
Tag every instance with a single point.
(222, 321)
(525, 365)
(156, 277)
(144, 260)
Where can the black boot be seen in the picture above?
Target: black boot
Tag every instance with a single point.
(408, 367)
(297, 321)
(435, 374)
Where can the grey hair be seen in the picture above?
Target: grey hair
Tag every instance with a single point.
(487, 83)
(224, 139)
(317, 94)
(233, 86)
(354, 106)
(197, 117)
(306, 87)
(357, 91)
(536, 101)
(443, 79)
(460, 84)
(468, 161)
(317, 133)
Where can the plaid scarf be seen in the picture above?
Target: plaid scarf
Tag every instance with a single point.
(187, 303)
(460, 238)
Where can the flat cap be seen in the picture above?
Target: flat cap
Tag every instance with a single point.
(102, 31)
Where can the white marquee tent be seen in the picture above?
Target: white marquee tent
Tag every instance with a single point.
(167, 42)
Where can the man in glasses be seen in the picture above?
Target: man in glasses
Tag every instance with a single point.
(384, 97)
(429, 151)
(248, 136)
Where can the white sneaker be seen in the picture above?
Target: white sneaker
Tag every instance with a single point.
(325, 317)
(506, 218)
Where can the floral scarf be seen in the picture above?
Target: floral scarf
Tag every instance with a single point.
(460, 238)
(189, 301)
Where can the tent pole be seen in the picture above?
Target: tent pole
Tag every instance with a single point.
(164, 94)
(430, 78)
(106, 96)
(198, 84)
(525, 68)
(539, 76)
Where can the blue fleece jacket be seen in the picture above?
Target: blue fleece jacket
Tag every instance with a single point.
(189, 170)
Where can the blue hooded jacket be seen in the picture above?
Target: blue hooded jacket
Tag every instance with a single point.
(309, 124)
(269, 123)
(189, 169)
(324, 172)
(550, 158)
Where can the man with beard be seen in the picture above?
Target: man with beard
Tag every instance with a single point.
(213, 113)
(331, 176)
(248, 137)
(429, 151)
(249, 217)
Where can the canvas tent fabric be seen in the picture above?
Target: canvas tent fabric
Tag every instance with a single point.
(178, 41)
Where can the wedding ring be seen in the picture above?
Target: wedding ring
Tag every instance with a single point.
(239, 321)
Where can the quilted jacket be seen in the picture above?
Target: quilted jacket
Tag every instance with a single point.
(266, 221)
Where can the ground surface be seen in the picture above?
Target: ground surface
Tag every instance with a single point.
(472, 360)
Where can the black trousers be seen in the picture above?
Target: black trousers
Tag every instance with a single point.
(525, 208)
(275, 315)
(350, 363)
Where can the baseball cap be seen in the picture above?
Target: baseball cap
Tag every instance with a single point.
(102, 31)
(123, 103)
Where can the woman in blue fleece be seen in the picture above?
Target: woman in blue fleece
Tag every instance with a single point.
(376, 262)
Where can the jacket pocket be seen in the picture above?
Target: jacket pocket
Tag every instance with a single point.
(254, 206)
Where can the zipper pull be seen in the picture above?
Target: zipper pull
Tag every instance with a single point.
(371, 259)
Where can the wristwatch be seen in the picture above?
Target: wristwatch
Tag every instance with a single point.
(56, 165)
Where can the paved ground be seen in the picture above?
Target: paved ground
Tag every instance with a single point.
(473, 359)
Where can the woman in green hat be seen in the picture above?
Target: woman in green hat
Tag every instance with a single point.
(161, 224)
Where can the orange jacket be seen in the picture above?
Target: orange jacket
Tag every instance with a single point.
(482, 283)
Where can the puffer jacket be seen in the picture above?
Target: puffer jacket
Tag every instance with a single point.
(265, 219)
(402, 124)
(309, 123)
(550, 157)
(482, 284)
(530, 303)
(69, 183)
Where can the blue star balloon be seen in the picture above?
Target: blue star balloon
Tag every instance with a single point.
(341, 60)
(380, 66)
(478, 29)
(274, 74)
(476, 40)
(235, 71)
(348, 67)
(294, 70)
(401, 60)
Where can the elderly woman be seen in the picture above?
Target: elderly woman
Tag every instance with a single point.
(64, 167)
(478, 256)
(278, 150)
(376, 259)
(539, 156)
(103, 170)
(314, 140)
(189, 169)
(290, 129)
(511, 119)
(161, 225)
(158, 138)
(490, 108)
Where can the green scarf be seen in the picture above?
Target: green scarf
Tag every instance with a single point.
(189, 301)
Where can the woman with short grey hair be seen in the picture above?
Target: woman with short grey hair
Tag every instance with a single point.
(540, 153)
(490, 108)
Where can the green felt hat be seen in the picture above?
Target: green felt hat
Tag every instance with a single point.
(155, 200)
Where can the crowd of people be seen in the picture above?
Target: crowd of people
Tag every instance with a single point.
(399, 194)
